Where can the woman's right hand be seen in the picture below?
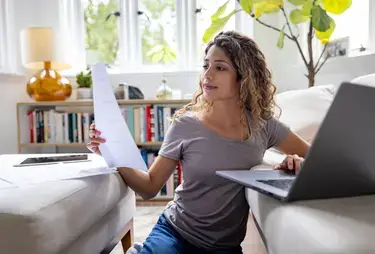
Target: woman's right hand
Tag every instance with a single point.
(95, 140)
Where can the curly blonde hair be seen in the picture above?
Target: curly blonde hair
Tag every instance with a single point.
(256, 88)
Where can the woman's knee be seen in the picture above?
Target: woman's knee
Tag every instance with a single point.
(162, 239)
(161, 243)
(161, 247)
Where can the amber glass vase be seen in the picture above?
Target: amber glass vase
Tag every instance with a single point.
(48, 85)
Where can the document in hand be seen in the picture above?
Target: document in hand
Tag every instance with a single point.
(119, 150)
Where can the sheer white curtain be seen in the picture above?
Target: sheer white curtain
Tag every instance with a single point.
(9, 53)
(71, 33)
(2, 36)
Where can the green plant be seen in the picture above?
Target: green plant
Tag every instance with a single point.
(313, 12)
(84, 79)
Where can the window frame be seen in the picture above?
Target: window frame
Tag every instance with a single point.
(131, 58)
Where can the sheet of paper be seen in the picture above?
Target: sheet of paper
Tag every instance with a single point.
(21, 176)
(119, 150)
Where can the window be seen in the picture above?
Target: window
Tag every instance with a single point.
(101, 31)
(157, 34)
(354, 23)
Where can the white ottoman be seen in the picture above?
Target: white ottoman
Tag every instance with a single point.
(87, 215)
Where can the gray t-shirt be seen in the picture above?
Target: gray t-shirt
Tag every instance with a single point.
(208, 210)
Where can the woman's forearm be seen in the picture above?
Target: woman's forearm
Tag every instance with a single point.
(139, 181)
(148, 184)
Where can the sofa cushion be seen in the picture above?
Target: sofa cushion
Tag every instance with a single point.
(304, 110)
(44, 218)
(271, 158)
(368, 80)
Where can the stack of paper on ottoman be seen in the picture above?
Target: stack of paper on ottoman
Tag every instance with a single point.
(84, 215)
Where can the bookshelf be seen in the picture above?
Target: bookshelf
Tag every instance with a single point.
(62, 127)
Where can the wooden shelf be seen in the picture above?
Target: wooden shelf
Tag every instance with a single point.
(90, 102)
(82, 144)
(85, 106)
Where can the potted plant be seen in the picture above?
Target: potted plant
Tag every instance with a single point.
(314, 13)
(84, 82)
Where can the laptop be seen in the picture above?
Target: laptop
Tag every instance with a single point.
(341, 159)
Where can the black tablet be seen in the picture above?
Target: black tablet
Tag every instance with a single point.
(53, 159)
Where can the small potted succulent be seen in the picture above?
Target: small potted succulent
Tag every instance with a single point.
(84, 82)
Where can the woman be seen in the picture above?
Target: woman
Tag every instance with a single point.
(228, 126)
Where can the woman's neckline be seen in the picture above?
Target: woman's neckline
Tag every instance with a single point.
(212, 132)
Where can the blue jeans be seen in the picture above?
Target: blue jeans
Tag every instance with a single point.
(163, 239)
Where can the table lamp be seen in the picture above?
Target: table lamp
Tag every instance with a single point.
(38, 51)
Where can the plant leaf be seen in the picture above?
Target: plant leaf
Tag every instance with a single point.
(247, 5)
(325, 36)
(320, 19)
(157, 56)
(155, 49)
(306, 8)
(296, 17)
(220, 11)
(268, 6)
(336, 6)
(166, 58)
(280, 40)
(297, 2)
(216, 26)
(172, 55)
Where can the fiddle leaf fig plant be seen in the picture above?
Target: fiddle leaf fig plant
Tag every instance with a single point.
(314, 13)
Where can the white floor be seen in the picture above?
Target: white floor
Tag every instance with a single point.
(144, 220)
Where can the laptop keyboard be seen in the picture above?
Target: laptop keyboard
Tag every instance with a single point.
(283, 184)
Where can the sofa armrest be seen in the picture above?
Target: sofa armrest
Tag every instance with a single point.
(345, 225)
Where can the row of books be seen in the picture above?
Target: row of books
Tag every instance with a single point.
(146, 124)
(168, 189)
(51, 127)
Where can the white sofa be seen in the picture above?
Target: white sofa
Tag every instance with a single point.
(81, 216)
(321, 226)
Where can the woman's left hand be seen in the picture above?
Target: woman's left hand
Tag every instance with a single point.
(291, 162)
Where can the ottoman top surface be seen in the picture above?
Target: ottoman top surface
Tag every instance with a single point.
(52, 214)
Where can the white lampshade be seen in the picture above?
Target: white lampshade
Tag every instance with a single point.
(38, 45)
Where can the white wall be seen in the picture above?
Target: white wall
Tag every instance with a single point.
(12, 89)
(287, 66)
(284, 64)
